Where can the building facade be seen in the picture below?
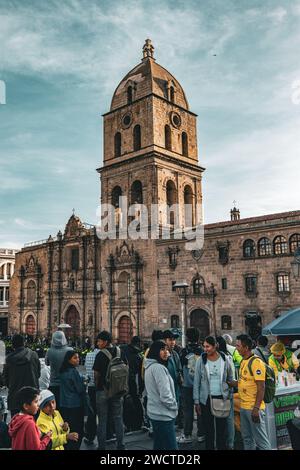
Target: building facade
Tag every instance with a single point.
(7, 267)
(240, 279)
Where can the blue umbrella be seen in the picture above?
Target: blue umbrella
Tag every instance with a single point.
(287, 324)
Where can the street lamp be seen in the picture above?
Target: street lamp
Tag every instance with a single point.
(181, 288)
(213, 294)
(296, 264)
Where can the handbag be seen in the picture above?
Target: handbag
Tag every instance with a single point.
(220, 408)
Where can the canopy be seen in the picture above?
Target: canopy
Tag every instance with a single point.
(287, 324)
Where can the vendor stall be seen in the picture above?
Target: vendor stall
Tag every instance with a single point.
(286, 328)
(279, 413)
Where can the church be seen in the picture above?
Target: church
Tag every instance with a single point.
(238, 281)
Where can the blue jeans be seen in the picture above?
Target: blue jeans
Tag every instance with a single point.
(164, 435)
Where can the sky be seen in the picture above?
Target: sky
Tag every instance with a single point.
(238, 62)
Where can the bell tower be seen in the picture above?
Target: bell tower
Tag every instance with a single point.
(150, 143)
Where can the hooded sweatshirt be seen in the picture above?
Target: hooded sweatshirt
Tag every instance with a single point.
(53, 423)
(161, 398)
(55, 356)
(25, 434)
(22, 369)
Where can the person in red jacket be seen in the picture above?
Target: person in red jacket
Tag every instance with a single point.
(22, 428)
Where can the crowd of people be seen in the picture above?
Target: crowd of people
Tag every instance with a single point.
(160, 388)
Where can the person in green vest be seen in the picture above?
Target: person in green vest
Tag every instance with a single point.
(282, 359)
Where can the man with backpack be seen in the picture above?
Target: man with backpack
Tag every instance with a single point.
(253, 389)
(111, 382)
(189, 356)
(261, 349)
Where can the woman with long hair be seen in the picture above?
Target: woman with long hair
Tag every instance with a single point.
(72, 397)
(211, 393)
(162, 406)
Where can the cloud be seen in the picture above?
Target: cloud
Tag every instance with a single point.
(278, 15)
(32, 226)
(256, 172)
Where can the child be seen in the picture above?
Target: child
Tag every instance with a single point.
(22, 428)
(50, 420)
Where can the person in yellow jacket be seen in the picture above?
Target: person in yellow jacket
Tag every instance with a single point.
(282, 359)
(50, 419)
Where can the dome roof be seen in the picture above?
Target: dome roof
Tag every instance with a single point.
(146, 78)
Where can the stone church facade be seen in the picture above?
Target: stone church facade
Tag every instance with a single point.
(239, 280)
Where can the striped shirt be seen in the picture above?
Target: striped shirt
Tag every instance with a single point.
(89, 363)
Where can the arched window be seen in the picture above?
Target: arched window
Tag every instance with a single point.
(129, 95)
(168, 139)
(294, 242)
(280, 245)
(174, 321)
(171, 199)
(118, 144)
(136, 192)
(30, 325)
(31, 292)
(249, 249)
(115, 195)
(188, 206)
(137, 138)
(198, 286)
(124, 286)
(8, 271)
(72, 318)
(264, 247)
(226, 322)
(125, 330)
(172, 94)
(184, 143)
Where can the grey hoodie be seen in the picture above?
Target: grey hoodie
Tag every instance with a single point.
(161, 398)
(55, 356)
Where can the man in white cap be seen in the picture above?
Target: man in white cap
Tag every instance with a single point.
(50, 419)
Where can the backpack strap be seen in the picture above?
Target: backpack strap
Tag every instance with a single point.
(252, 359)
(107, 354)
(262, 355)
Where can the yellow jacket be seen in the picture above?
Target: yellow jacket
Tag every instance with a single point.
(48, 423)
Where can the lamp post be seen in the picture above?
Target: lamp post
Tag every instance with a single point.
(181, 288)
(296, 264)
(213, 294)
